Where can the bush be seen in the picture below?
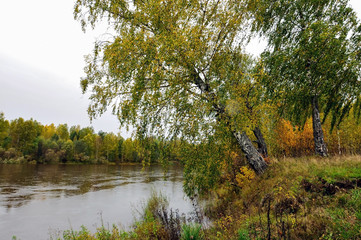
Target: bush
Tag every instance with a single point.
(11, 153)
(51, 156)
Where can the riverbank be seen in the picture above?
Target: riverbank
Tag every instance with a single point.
(297, 198)
(21, 161)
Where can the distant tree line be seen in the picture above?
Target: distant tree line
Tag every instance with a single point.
(23, 141)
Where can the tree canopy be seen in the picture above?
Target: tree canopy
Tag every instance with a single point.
(169, 63)
(313, 58)
(172, 67)
(313, 50)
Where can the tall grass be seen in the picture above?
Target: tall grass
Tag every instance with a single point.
(297, 198)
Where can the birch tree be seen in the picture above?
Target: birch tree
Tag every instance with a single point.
(313, 59)
(171, 67)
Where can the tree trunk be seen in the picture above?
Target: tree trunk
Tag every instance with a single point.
(320, 146)
(339, 142)
(262, 146)
(254, 158)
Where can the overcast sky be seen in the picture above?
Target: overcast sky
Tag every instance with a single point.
(42, 52)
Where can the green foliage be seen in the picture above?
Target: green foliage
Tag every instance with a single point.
(63, 132)
(313, 51)
(110, 146)
(157, 221)
(156, 202)
(129, 151)
(4, 129)
(202, 166)
(74, 132)
(24, 135)
(345, 216)
(77, 235)
(101, 234)
(337, 173)
(192, 231)
(243, 234)
(28, 141)
(172, 68)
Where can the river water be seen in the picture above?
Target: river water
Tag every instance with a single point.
(40, 201)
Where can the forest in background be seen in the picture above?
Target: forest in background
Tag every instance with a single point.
(24, 141)
(28, 141)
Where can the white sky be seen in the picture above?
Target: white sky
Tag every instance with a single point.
(42, 52)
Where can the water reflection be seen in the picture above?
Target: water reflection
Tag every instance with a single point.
(21, 183)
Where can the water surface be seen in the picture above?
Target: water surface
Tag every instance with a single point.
(37, 201)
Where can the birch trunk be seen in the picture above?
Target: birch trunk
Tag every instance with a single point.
(262, 146)
(320, 146)
(254, 158)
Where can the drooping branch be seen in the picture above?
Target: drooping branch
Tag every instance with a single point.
(145, 88)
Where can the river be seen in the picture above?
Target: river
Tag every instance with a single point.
(40, 201)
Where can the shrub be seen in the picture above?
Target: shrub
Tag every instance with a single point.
(11, 153)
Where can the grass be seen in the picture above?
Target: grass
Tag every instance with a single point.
(278, 204)
(192, 232)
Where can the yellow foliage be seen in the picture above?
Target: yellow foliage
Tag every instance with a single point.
(234, 155)
(293, 140)
(48, 131)
(244, 176)
(224, 222)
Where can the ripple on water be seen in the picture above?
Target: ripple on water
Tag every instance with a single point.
(36, 198)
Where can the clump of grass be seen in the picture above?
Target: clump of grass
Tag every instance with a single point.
(243, 234)
(192, 232)
(102, 233)
(156, 202)
(158, 220)
(83, 233)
